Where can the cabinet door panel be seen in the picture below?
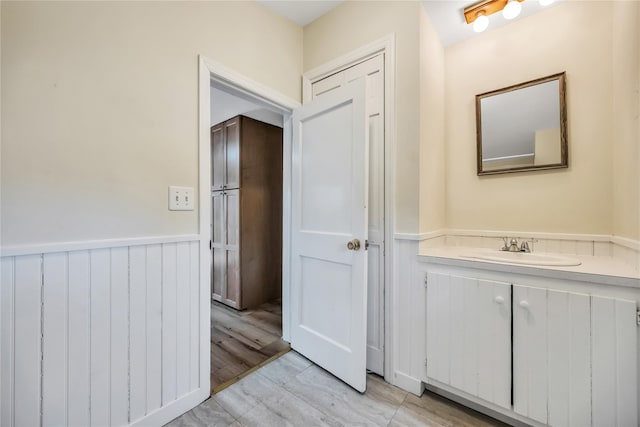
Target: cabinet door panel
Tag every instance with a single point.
(493, 324)
(614, 371)
(217, 157)
(232, 170)
(218, 227)
(469, 336)
(232, 210)
(530, 352)
(219, 276)
(463, 359)
(232, 296)
(438, 327)
(232, 232)
(569, 354)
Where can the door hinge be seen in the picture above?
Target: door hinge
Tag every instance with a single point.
(425, 362)
(426, 279)
(210, 244)
(638, 318)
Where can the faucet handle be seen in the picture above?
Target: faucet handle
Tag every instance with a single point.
(506, 244)
(525, 245)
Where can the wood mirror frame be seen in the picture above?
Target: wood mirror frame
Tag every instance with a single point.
(564, 157)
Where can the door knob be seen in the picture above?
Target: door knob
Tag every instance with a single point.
(524, 304)
(499, 299)
(353, 245)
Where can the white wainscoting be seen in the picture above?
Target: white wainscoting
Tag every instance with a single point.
(408, 321)
(104, 336)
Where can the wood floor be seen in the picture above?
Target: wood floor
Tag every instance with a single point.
(241, 340)
(292, 391)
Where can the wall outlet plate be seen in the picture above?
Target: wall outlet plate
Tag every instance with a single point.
(181, 198)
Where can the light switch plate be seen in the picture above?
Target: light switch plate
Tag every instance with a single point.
(181, 198)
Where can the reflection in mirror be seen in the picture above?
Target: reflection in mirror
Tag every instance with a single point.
(522, 127)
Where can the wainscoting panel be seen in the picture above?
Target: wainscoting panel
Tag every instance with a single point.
(99, 337)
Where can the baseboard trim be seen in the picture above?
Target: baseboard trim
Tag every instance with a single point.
(408, 383)
(173, 410)
(93, 244)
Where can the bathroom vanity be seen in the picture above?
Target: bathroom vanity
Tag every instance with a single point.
(542, 344)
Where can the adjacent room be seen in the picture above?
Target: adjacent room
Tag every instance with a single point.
(246, 224)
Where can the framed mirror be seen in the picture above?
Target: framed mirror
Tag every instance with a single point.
(523, 127)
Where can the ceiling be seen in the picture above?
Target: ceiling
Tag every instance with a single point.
(301, 12)
(446, 15)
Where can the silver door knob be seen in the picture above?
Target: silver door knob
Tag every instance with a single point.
(353, 245)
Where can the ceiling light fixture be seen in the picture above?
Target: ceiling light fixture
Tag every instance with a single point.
(512, 9)
(546, 2)
(478, 14)
(481, 22)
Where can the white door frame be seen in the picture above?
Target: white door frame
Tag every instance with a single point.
(235, 83)
(386, 46)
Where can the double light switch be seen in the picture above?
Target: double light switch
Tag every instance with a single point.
(181, 198)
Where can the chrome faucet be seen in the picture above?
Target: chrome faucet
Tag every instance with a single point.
(512, 246)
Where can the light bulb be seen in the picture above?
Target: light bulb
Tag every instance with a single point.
(480, 24)
(512, 9)
(546, 2)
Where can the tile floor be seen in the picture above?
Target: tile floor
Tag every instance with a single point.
(292, 391)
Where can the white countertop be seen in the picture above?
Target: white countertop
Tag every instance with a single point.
(601, 270)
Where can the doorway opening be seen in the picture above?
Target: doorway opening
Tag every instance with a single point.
(246, 224)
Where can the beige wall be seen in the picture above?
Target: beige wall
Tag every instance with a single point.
(100, 108)
(626, 127)
(354, 24)
(573, 200)
(432, 158)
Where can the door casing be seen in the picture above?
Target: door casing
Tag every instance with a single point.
(211, 71)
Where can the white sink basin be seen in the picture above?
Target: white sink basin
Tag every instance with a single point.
(522, 258)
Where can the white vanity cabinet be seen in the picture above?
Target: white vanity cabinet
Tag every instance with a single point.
(469, 336)
(556, 357)
(574, 358)
(552, 356)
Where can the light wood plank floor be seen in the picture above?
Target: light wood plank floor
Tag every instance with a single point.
(293, 391)
(241, 340)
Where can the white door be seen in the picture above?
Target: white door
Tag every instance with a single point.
(329, 219)
(372, 71)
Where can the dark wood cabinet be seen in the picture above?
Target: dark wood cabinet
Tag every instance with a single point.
(246, 200)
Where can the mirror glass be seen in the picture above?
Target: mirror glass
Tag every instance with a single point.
(522, 127)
